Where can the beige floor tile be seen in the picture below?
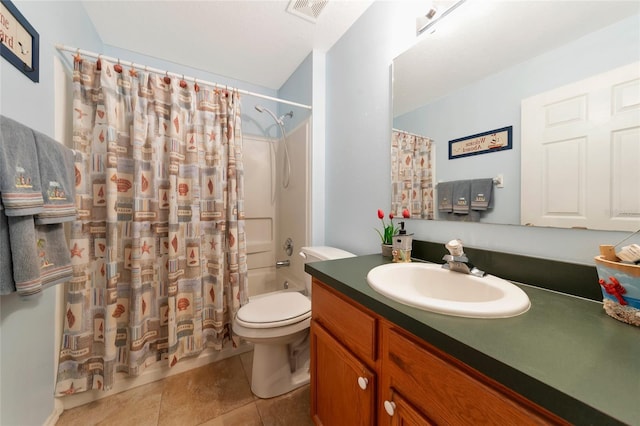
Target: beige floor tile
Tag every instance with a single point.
(243, 416)
(204, 393)
(138, 406)
(290, 409)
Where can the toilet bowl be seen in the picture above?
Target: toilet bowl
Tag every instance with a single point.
(278, 326)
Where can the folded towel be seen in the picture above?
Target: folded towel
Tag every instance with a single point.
(53, 254)
(56, 165)
(481, 194)
(445, 197)
(461, 196)
(19, 173)
(24, 255)
(7, 285)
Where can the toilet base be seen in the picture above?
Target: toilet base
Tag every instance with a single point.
(271, 372)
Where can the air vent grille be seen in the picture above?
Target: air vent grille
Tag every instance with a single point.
(307, 9)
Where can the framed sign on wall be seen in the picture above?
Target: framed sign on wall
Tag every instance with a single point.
(482, 143)
(19, 41)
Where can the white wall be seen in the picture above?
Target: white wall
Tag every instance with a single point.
(357, 154)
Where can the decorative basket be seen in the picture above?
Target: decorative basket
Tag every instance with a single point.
(620, 285)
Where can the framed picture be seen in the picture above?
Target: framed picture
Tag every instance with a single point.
(482, 143)
(20, 42)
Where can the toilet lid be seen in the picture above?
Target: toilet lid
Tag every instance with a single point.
(277, 309)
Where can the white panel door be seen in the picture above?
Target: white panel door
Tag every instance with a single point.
(580, 159)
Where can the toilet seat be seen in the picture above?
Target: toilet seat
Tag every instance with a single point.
(274, 310)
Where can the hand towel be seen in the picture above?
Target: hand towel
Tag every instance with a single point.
(53, 254)
(481, 193)
(461, 196)
(57, 177)
(26, 267)
(19, 173)
(445, 197)
(7, 285)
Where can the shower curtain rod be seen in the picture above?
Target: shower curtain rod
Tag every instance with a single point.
(409, 133)
(76, 50)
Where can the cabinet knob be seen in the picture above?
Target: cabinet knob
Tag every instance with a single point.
(363, 382)
(390, 407)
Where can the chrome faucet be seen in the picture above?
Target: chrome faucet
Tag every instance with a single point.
(459, 262)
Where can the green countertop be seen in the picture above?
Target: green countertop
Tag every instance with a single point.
(565, 353)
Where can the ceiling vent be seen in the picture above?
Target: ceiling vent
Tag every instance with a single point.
(307, 9)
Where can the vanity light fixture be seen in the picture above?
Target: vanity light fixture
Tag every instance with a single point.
(433, 17)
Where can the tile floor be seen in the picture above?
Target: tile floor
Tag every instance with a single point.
(216, 394)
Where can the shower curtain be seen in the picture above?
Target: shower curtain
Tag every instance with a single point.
(411, 175)
(158, 250)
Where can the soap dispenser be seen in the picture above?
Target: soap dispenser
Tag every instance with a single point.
(402, 245)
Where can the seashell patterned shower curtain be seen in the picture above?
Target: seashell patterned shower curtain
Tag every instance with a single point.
(411, 175)
(159, 249)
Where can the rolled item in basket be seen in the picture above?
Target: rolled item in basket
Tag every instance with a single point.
(630, 253)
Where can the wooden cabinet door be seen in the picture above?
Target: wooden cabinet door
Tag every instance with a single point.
(404, 414)
(342, 387)
(448, 391)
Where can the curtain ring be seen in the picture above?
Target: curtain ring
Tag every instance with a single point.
(167, 80)
(132, 71)
(183, 83)
(195, 85)
(77, 58)
(117, 67)
(99, 64)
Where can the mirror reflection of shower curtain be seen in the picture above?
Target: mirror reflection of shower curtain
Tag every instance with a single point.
(412, 160)
(159, 249)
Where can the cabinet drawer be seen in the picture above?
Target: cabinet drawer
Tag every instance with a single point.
(447, 393)
(350, 325)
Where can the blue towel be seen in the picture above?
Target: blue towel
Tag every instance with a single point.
(56, 166)
(461, 196)
(24, 255)
(445, 197)
(481, 194)
(20, 187)
(7, 285)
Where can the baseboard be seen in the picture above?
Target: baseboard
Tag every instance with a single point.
(58, 408)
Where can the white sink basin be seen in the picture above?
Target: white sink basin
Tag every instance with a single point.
(429, 287)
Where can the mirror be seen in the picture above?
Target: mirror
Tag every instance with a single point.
(484, 58)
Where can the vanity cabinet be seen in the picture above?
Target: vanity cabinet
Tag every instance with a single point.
(343, 361)
(406, 380)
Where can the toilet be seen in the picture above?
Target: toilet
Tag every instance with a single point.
(278, 326)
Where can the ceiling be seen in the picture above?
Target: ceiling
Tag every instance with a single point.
(482, 37)
(257, 41)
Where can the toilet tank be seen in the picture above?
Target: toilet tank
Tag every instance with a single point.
(318, 253)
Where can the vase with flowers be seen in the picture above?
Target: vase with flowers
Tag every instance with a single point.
(388, 231)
